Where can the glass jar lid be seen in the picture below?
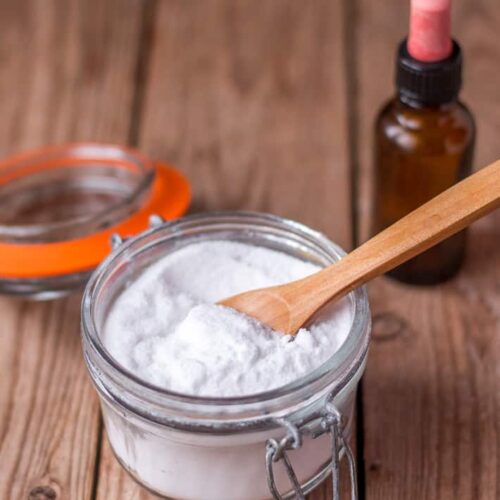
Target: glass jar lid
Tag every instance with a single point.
(60, 205)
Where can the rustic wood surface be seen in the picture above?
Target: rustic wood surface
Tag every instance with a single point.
(431, 392)
(267, 108)
(67, 72)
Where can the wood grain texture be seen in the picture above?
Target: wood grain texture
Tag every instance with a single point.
(431, 396)
(249, 103)
(67, 72)
(48, 437)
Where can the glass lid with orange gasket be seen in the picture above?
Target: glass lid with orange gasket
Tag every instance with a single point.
(60, 206)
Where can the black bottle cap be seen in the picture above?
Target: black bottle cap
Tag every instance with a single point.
(428, 83)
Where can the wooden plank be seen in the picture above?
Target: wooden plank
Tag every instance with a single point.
(430, 395)
(67, 73)
(250, 103)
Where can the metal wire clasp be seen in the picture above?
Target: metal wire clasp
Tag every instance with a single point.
(331, 422)
(335, 423)
(117, 240)
(277, 450)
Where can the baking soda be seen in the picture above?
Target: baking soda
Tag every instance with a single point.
(166, 328)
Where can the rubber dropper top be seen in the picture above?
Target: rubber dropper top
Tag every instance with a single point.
(429, 39)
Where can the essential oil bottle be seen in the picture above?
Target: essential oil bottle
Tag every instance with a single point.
(424, 137)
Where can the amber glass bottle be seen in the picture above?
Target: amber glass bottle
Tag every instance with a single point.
(424, 141)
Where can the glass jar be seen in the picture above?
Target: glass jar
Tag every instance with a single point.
(60, 204)
(269, 445)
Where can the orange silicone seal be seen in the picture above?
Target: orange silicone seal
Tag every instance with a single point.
(168, 196)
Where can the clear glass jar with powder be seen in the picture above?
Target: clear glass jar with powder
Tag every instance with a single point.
(274, 444)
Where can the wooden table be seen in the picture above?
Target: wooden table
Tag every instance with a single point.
(265, 105)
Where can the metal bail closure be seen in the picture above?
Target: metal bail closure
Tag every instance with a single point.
(335, 423)
(277, 450)
(156, 220)
(332, 422)
(115, 240)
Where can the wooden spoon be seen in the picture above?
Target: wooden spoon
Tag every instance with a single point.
(286, 308)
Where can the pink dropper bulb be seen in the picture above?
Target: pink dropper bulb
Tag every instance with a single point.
(430, 33)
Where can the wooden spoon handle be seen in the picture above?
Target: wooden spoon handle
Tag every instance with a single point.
(444, 215)
(288, 307)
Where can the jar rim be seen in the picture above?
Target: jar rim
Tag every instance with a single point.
(338, 368)
(50, 158)
(63, 202)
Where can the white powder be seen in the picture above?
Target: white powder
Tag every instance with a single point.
(167, 330)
